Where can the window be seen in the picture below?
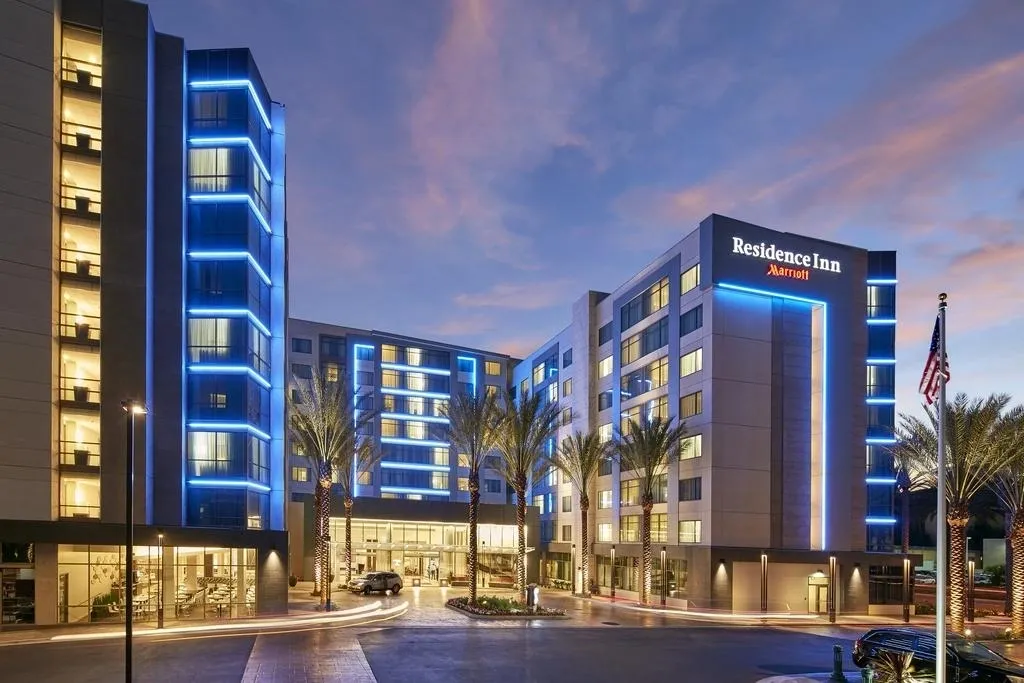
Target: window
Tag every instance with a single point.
(439, 480)
(691, 362)
(552, 476)
(689, 531)
(301, 371)
(629, 492)
(656, 407)
(335, 346)
(604, 533)
(417, 381)
(538, 502)
(388, 378)
(604, 499)
(413, 356)
(464, 460)
(567, 503)
(300, 345)
(604, 432)
(365, 478)
(881, 301)
(605, 467)
(652, 376)
(538, 374)
(604, 400)
(209, 339)
(388, 353)
(524, 387)
(389, 427)
(567, 387)
(463, 483)
(492, 368)
(661, 488)
(300, 474)
(690, 447)
(604, 334)
(553, 392)
(689, 489)
(690, 279)
(491, 390)
(629, 529)
(566, 416)
(881, 381)
(604, 368)
(659, 528)
(566, 358)
(331, 372)
(566, 533)
(691, 404)
(691, 321)
(652, 300)
(649, 340)
(492, 485)
(218, 169)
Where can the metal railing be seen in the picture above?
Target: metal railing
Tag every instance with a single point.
(81, 137)
(79, 454)
(79, 390)
(80, 511)
(81, 200)
(81, 72)
(81, 328)
(80, 263)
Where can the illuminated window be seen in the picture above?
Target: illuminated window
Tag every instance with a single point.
(491, 390)
(566, 417)
(364, 478)
(440, 407)
(300, 474)
(463, 483)
(389, 403)
(389, 378)
(331, 372)
(629, 529)
(659, 295)
(463, 460)
(415, 429)
(660, 488)
(689, 489)
(629, 492)
(388, 427)
(659, 528)
(416, 405)
(524, 387)
(629, 350)
(691, 404)
(689, 531)
(217, 169)
(604, 499)
(604, 368)
(567, 387)
(439, 480)
(567, 503)
(538, 374)
(566, 533)
(492, 368)
(604, 533)
(538, 502)
(417, 381)
(414, 356)
(298, 449)
(690, 279)
(690, 447)
(552, 392)
(389, 353)
(691, 362)
(208, 339)
(604, 432)
(440, 455)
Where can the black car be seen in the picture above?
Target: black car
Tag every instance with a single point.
(966, 660)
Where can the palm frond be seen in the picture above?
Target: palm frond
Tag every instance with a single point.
(647, 449)
(473, 422)
(524, 428)
(1008, 485)
(579, 458)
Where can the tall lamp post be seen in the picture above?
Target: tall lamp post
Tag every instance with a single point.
(131, 409)
(160, 583)
(572, 570)
(664, 576)
(613, 572)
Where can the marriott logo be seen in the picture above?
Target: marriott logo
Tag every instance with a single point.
(769, 252)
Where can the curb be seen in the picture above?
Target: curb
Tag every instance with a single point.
(506, 617)
(851, 677)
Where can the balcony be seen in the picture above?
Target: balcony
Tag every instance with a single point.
(80, 455)
(79, 496)
(80, 264)
(76, 328)
(82, 202)
(81, 391)
(80, 138)
(81, 73)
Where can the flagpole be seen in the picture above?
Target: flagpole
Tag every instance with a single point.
(941, 565)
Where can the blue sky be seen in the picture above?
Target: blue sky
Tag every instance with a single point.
(465, 169)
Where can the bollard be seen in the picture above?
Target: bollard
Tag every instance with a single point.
(837, 665)
(867, 675)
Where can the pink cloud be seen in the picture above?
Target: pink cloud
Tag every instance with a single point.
(528, 296)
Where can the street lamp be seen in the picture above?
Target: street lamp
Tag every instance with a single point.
(131, 409)
(613, 572)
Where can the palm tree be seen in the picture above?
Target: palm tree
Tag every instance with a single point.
(360, 459)
(524, 428)
(1009, 488)
(579, 458)
(972, 462)
(647, 449)
(473, 428)
(321, 421)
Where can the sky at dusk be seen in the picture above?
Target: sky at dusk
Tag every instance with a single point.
(464, 170)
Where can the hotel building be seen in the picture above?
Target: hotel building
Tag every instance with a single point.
(410, 510)
(777, 352)
(142, 194)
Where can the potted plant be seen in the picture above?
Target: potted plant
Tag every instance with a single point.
(84, 76)
(293, 580)
(81, 394)
(82, 204)
(81, 333)
(83, 140)
(82, 266)
(81, 457)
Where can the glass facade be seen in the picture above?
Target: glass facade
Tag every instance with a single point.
(17, 584)
(188, 583)
(627, 575)
(428, 551)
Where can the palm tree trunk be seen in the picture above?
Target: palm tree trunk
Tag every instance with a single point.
(645, 540)
(1008, 563)
(474, 511)
(957, 569)
(317, 539)
(520, 488)
(322, 524)
(584, 546)
(348, 538)
(1016, 589)
(905, 544)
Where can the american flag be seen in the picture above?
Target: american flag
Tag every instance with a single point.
(930, 377)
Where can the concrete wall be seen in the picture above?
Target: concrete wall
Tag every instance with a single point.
(27, 243)
(787, 586)
(272, 588)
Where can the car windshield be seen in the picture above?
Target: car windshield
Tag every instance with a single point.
(975, 652)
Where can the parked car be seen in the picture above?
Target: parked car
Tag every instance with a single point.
(376, 581)
(924, 576)
(966, 660)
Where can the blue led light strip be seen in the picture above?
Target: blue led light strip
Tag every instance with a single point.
(355, 402)
(880, 401)
(880, 521)
(211, 369)
(414, 491)
(400, 441)
(881, 321)
(231, 256)
(422, 467)
(232, 84)
(231, 197)
(233, 142)
(880, 441)
(472, 372)
(415, 368)
(229, 484)
(824, 388)
(230, 313)
(889, 481)
(412, 392)
(883, 281)
(228, 427)
(418, 418)
(880, 361)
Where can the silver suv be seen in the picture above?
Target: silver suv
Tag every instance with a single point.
(376, 581)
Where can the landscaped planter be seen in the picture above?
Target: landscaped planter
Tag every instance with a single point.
(502, 608)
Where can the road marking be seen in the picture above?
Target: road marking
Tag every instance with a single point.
(341, 659)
